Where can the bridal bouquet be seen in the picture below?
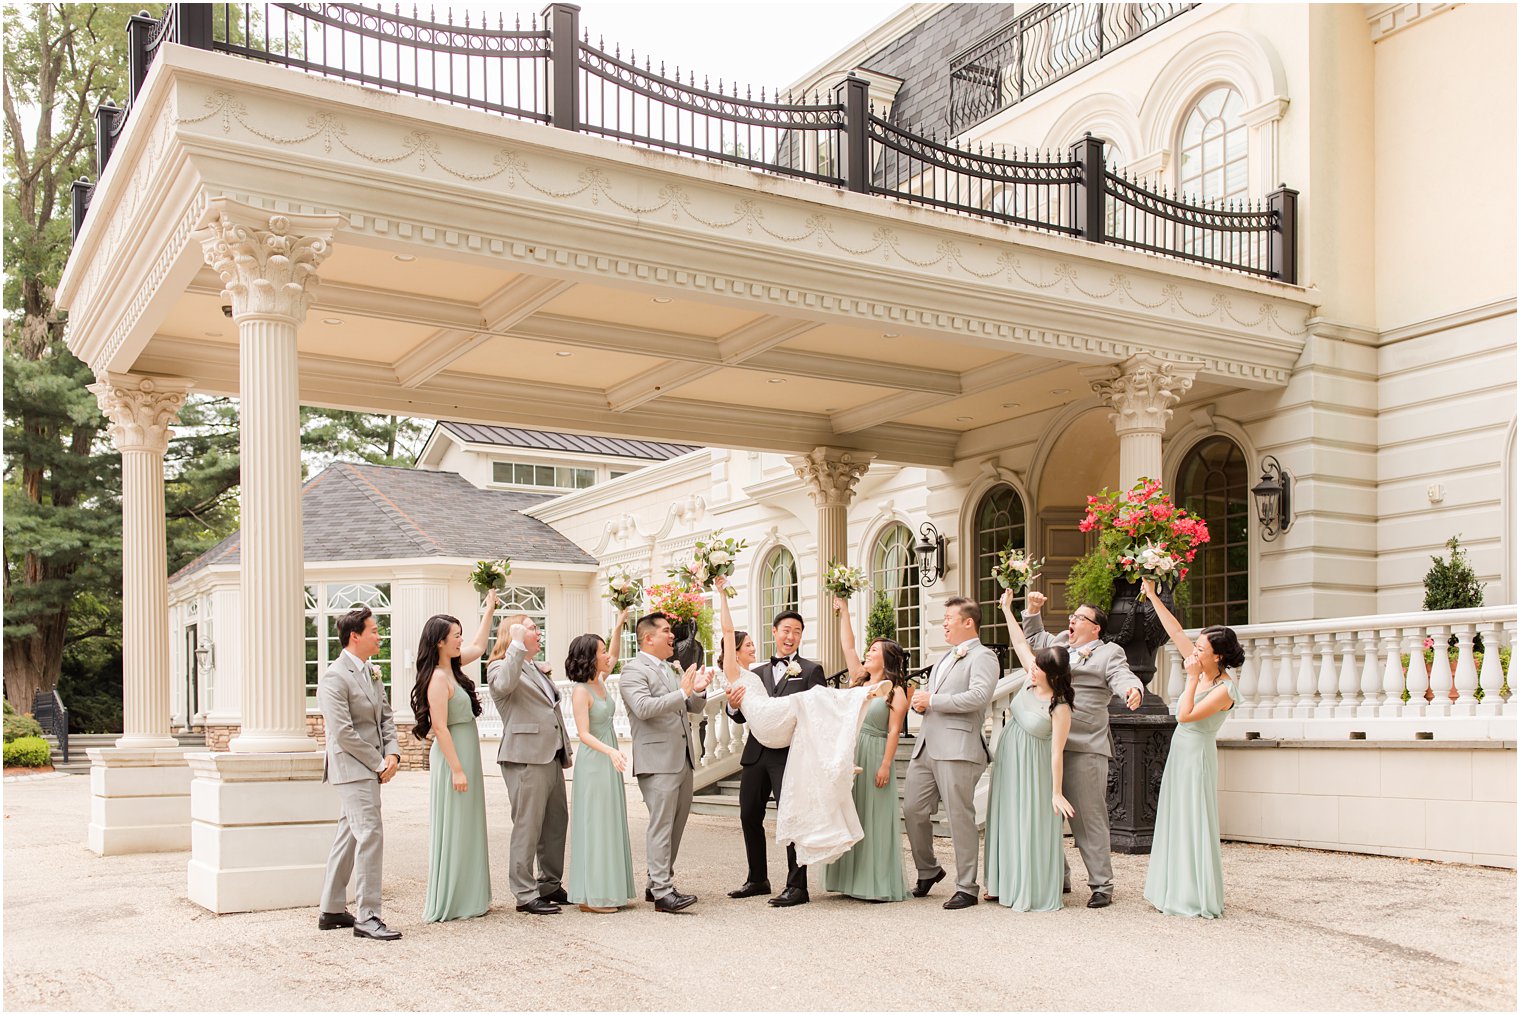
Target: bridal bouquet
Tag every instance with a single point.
(491, 574)
(711, 558)
(623, 589)
(676, 600)
(1154, 561)
(843, 581)
(1015, 571)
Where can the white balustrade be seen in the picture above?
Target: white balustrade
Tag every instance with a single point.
(1466, 677)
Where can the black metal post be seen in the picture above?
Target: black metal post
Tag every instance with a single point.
(105, 135)
(139, 27)
(192, 25)
(1283, 245)
(564, 24)
(857, 131)
(1087, 196)
(79, 201)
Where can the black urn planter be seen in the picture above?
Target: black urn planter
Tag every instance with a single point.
(1143, 738)
(688, 650)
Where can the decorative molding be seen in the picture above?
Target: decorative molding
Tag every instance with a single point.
(140, 409)
(830, 475)
(1384, 20)
(1446, 322)
(1142, 391)
(267, 263)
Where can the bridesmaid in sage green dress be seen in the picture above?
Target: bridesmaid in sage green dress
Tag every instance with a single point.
(873, 868)
(601, 862)
(1186, 876)
(1024, 800)
(459, 872)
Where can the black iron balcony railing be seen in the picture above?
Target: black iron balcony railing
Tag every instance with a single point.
(550, 72)
(1039, 48)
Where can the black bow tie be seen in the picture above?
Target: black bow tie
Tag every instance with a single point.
(779, 660)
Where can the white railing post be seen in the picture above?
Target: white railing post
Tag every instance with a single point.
(1324, 703)
(1440, 672)
(1511, 629)
(1416, 679)
(1282, 648)
(1349, 684)
(1246, 686)
(1466, 677)
(1174, 678)
(1491, 676)
(1372, 675)
(1392, 704)
(1303, 702)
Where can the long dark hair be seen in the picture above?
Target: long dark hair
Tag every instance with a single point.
(894, 664)
(438, 628)
(580, 659)
(739, 637)
(1226, 646)
(1055, 663)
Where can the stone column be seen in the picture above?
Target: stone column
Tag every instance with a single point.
(262, 820)
(140, 788)
(1141, 391)
(268, 266)
(830, 476)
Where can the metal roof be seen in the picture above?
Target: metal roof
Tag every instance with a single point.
(545, 440)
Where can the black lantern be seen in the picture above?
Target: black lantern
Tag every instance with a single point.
(930, 550)
(1274, 499)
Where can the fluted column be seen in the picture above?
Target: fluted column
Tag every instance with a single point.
(268, 266)
(1141, 392)
(830, 476)
(140, 410)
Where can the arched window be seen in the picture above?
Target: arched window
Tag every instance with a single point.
(894, 573)
(778, 591)
(1212, 482)
(999, 524)
(1211, 150)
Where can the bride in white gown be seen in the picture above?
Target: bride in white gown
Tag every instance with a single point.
(817, 809)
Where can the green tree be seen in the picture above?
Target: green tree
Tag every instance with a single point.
(881, 622)
(337, 435)
(1452, 584)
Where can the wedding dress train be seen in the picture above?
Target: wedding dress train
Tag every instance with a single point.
(817, 809)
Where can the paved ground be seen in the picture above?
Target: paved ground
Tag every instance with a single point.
(1302, 930)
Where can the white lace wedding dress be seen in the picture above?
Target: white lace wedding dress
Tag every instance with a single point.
(817, 809)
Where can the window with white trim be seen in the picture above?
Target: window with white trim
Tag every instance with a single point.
(778, 592)
(325, 603)
(530, 600)
(554, 477)
(894, 573)
(1212, 157)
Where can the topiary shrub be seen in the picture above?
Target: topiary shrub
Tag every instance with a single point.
(881, 622)
(1452, 584)
(18, 726)
(27, 752)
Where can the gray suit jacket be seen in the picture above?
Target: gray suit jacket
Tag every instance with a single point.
(532, 727)
(357, 716)
(1094, 682)
(657, 716)
(952, 728)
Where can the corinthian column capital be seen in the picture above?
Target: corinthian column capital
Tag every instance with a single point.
(1142, 390)
(140, 408)
(267, 263)
(831, 474)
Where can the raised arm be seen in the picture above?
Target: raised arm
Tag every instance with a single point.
(726, 619)
(503, 675)
(615, 637)
(477, 648)
(1173, 626)
(1034, 624)
(852, 661)
(1189, 707)
(1015, 632)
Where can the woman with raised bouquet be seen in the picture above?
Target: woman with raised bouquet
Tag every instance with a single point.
(712, 558)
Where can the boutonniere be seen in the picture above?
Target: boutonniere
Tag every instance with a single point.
(792, 669)
(962, 649)
(374, 672)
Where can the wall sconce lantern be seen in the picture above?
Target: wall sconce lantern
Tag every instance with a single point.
(930, 551)
(1274, 499)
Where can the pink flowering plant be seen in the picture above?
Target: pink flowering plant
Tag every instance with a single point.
(1143, 534)
(676, 600)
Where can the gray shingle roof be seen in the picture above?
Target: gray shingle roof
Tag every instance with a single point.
(352, 512)
(545, 440)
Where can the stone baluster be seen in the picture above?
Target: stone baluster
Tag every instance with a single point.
(1287, 678)
(1491, 677)
(1174, 678)
(1391, 703)
(1305, 685)
(830, 476)
(1371, 683)
(1246, 684)
(1416, 680)
(1141, 392)
(1511, 629)
(1465, 679)
(1440, 673)
(1325, 685)
(1266, 678)
(1349, 684)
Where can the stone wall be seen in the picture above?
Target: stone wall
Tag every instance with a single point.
(414, 753)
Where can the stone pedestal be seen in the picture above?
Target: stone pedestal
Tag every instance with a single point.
(261, 828)
(1142, 741)
(139, 800)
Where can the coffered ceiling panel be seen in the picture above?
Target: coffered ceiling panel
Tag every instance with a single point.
(509, 358)
(639, 310)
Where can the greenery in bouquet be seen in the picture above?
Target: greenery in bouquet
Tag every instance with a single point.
(1141, 534)
(1015, 571)
(712, 558)
(491, 574)
(843, 581)
(677, 600)
(624, 590)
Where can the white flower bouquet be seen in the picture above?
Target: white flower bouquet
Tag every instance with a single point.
(491, 574)
(1156, 561)
(711, 558)
(843, 581)
(624, 590)
(1015, 571)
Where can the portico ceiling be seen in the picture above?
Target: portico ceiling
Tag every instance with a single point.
(502, 272)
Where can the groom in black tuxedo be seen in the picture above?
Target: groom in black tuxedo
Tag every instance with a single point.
(763, 767)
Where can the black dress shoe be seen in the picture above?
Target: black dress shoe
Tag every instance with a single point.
(1065, 887)
(924, 884)
(673, 903)
(375, 930)
(538, 907)
(1099, 900)
(790, 897)
(333, 921)
(750, 889)
(960, 900)
(648, 895)
(558, 897)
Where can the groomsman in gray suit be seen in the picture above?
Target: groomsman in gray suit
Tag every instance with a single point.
(951, 752)
(658, 698)
(1099, 671)
(362, 753)
(535, 751)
